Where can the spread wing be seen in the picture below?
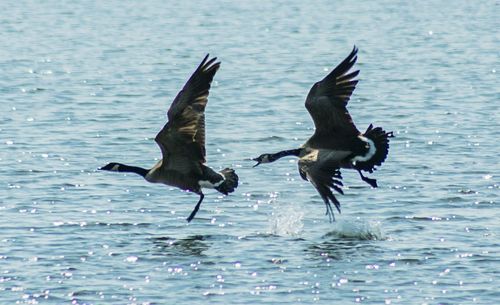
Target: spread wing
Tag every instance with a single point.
(184, 134)
(322, 169)
(328, 98)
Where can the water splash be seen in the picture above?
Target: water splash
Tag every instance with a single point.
(286, 220)
(355, 229)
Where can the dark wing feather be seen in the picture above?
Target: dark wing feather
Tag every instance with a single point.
(184, 134)
(323, 171)
(328, 98)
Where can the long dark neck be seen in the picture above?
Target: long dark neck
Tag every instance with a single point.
(284, 153)
(132, 169)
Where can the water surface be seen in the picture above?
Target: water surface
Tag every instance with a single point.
(87, 83)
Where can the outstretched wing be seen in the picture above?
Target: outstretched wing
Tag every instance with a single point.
(322, 169)
(328, 98)
(184, 133)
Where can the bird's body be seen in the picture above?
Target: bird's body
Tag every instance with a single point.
(197, 178)
(336, 142)
(182, 143)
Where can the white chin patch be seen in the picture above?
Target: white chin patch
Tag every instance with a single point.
(369, 154)
(115, 168)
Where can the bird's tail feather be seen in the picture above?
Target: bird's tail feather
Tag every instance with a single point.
(381, 139)
(230, 181)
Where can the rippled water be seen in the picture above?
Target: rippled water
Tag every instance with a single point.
(86, 83)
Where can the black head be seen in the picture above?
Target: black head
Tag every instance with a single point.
(264, 158)
(111, 167)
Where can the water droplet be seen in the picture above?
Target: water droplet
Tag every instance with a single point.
(343, 281)
(67, 274)
(131, 259)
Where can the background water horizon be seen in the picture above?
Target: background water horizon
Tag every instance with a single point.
(87, 83)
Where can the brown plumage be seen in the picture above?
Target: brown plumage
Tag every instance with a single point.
(336, 142)
(182, 142)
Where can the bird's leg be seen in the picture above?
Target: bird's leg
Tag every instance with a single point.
(196, 208)
(372, 182)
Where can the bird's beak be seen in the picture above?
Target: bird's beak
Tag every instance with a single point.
(256, 160)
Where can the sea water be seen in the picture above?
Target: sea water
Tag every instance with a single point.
(84, 83)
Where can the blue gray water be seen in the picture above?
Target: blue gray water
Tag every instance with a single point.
(84, 83)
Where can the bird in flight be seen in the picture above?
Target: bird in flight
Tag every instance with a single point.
(182, 143)
(336, 142)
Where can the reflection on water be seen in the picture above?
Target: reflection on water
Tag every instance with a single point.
(342, 249)
(347, 240)
(189, 246)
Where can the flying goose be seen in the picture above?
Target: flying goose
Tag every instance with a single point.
(182, 142)
(336, 142)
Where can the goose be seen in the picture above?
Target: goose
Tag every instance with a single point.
(336, 142)
(182, 143)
